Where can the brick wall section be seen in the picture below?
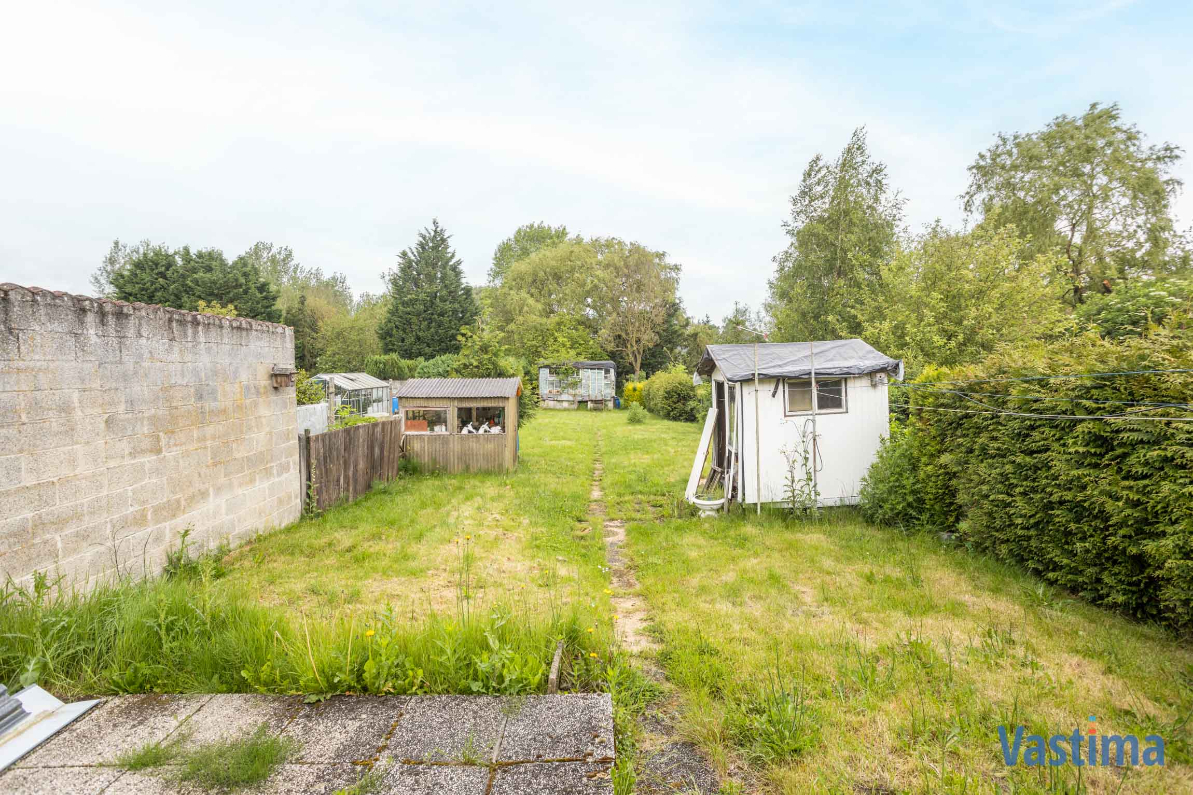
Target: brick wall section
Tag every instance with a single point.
(123, 424)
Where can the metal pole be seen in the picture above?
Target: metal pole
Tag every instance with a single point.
(815, 393)
(757, 436)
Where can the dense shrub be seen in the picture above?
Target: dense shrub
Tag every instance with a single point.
(439, 367)
(308, 391)
(391, 367)
(1100, 507)
(671, 395)
(636, 415)
(632, 392)
(1138, 306)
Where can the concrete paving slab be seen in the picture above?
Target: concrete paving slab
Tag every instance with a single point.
(554, 778)
(118, 725)
(448, 729)
(434, 780)
(344, 728)
(226, 717)
(560, 727)
(308, 780)
(155, 782)
(58, 780)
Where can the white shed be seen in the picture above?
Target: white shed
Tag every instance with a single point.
(847, 407)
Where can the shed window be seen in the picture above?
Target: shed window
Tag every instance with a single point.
(426, 421)
(830, 395)
(480, 419)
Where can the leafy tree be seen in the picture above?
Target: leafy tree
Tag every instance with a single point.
(482, 355)
(545, 304)
(1139, 307)
(844, 224)
(740, 325)
(526, 240)
(306, 333)
(637, 287)
(1088, 188)
(391, 367)
(439, 367)
(346, 341)
(215, 308)
(953, 298)
(292, 279)
(429, 300)
(207, 275)
(149, 275)
(308, 391)
(183, 278)
(114, 261)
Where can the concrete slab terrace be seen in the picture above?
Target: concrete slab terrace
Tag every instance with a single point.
(419, 745)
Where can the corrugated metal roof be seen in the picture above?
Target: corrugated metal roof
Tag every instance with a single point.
(457, 387)
(583, 365)
(351, 380)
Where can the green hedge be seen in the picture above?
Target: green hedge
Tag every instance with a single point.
(390, 366)
(670, 395)
(1103, 508)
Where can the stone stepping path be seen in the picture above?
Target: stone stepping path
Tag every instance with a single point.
(454, 745)
(666, 764)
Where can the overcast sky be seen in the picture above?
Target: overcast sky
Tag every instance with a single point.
(340, 129)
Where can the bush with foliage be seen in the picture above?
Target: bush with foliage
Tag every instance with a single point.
(391, 367)
(636, 414)
(1138, 307)
(439, 367)
(671, 395)
(308, 391)
(1100, 507)
(632, 392)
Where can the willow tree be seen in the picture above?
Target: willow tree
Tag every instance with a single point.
(843, 226)
(1088, 188)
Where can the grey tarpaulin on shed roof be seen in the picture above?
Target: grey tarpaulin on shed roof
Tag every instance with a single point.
(791, 360)
(457, 388)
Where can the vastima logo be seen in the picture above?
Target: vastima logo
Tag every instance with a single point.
(1091, 749)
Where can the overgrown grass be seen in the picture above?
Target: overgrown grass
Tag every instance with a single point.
(528, 532)
(190, 635)
(224, 766)
(835, 656)
(458, 584)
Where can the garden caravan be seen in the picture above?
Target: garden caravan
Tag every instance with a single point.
(790, 412)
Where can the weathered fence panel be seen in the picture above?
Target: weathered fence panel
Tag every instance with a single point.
(343, 464)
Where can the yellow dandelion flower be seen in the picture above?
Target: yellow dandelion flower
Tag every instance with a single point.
(608, 591)
(370, 633)
(467, 538)
(592, 654)
(592, 629)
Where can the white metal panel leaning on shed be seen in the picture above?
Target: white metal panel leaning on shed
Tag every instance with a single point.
(851, 414)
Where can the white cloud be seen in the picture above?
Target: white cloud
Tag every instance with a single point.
(340, 130)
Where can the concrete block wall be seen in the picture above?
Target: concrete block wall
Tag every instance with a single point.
(123, 424)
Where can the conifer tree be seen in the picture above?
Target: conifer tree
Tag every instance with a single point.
(429, 300)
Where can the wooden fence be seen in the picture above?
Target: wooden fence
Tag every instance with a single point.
(343, 464)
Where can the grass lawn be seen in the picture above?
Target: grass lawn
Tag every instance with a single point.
(809, 656)
(527, 535)
(833, 656)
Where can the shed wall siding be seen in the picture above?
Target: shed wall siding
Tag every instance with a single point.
(848, 442)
